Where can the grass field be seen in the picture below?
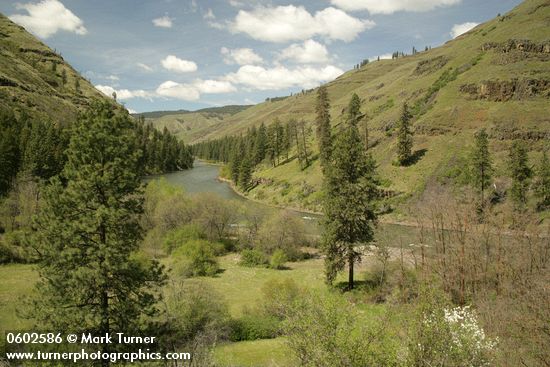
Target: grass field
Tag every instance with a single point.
(16, 281)
(239, 286)
(265, 353)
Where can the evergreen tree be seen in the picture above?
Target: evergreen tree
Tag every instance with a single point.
(404, 137)
(481, 166)
(261, 144)
(349, 201)
(286, 144)
(322, 122)
(245, 174)
(542, 183)
(9, 150)
(88, 234)
(354, 110)
(236, 161)
(279, 132)
(520, 172)
(64, 76)
(302, 133)
(271, 151)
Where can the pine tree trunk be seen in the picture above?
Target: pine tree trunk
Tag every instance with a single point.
(351, 262)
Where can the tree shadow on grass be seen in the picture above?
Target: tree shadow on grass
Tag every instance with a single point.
(415, 157)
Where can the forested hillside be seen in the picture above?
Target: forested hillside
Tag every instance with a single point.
(41, 98)
(496, 77)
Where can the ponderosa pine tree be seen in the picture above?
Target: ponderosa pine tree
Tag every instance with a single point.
(245, 173)
(542, 183)
(9, 150)
(520, 172)
(354, 115)
(88, 234)
(261, 144)
(236, 161)
(322, 122)
(404, 137)
(481, 165)
(350, 187)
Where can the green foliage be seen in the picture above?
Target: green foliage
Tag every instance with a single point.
(445, 336)
(245, 174)
(88, 232)
(279, 295)
(15, 248)
(178, 237)
(282, 231)
(195, 314)
(520, 172)
(323, 331)
(10, 152)
(480, 163)
(197, 258)
(278, 259)
(322, 122)
(542, 182)
(349, 202)
(253, 257)
(254, 326)
(404, 137)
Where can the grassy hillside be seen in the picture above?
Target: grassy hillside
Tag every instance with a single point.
(191, 126)
(36, 79)
(496, 76)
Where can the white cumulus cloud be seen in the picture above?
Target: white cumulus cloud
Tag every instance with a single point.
(459, 29)
(193, 91)
(214, 86)
(184, 92)
(291, 23)
(392, 6)
(178, 65)
(47, 18)
(310, 52)
(123, 94)
(163, 22)
(280, 77)
(240, 56)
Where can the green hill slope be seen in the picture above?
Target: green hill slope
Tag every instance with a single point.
(496, 76)
(36, 79)
(192, 125)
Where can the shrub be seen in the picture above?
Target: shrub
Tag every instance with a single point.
(14, 248)
(447, 336)
(279, 296)
(254, 326)
(180, 236)
(253, 257)
(196, 258)
(193, 312)
(285, 232)
(323, 331)
(278, 260)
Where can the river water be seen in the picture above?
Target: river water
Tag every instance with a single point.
(203, 178)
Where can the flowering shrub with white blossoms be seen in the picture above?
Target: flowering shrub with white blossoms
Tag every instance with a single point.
(450, 337)
(468, 338)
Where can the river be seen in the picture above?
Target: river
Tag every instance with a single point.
(203, 178)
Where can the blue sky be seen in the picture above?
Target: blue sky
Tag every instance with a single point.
(190, 54)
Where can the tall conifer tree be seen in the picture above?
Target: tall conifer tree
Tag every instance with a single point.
(349, 203)
(88, 233)
(322, 122)
(520, 172)
(404, 137)
(481, 167)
